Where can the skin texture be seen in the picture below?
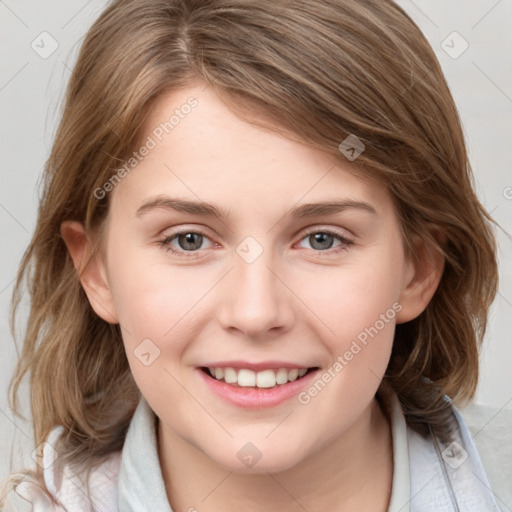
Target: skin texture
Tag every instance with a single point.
(296, 303)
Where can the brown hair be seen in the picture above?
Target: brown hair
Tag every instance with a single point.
(322, 70)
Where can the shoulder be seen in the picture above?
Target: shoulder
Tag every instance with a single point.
(451, 474)
(491, 430)
(66, 488)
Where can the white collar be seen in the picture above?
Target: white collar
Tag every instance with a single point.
(401, 487)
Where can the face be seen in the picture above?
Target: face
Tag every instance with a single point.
(232, 248)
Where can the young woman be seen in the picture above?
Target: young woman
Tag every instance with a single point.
(260, 275)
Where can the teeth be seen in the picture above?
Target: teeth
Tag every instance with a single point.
(230, 375)
(293, 374)
(264, 379)
(246, 378)
(282, 376)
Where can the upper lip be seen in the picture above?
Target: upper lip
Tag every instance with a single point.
(264, 365)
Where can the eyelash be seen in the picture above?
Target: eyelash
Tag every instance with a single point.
(345, 244)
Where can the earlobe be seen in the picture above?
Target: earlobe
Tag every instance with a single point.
(421, 281)
(90, 269)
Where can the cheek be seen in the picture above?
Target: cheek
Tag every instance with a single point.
(157, 307)
(355, 308)
(165, 303)
(350, 298)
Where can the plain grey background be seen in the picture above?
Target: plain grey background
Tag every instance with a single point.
(38, 44)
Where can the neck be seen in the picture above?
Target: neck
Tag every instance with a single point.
(353, 472)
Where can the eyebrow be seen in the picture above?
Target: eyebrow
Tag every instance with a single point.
(210, 210)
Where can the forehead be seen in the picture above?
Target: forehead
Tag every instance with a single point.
(201, 150)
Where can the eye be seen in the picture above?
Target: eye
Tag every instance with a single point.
(185, 241)
(325, 240)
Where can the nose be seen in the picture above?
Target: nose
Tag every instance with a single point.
(255, 301)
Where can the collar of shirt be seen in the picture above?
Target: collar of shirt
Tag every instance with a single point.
(141, 485)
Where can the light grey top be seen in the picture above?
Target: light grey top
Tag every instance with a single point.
(427, 476)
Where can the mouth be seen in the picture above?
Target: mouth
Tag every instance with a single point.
(269, 378)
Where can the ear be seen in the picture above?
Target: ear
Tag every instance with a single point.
(422, 278)
(91, 270)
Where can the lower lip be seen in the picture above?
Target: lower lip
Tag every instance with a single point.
(257, 398)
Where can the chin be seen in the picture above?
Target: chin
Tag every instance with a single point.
(254, 458)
